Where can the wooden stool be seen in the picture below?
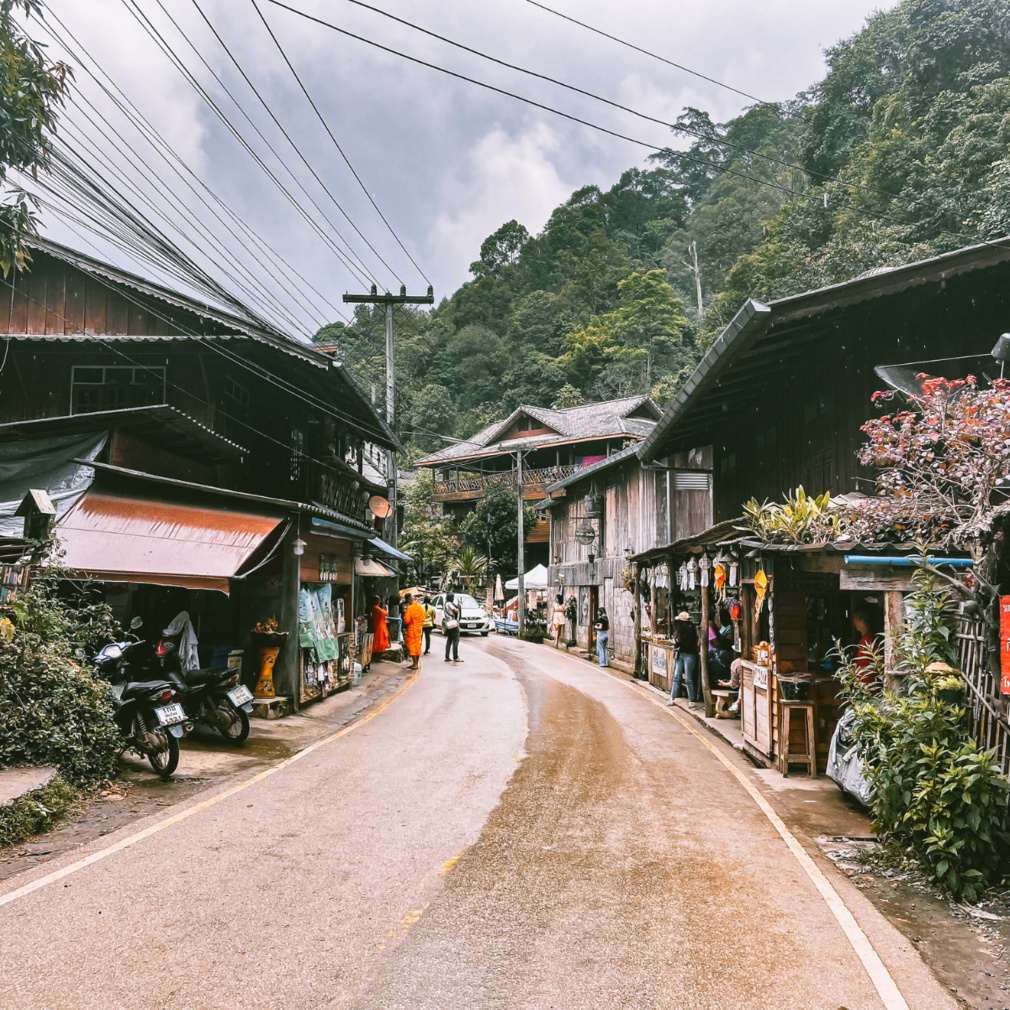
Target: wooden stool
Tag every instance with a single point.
(721, 700)
(808, 755)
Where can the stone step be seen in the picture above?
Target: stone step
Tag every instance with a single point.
(271, 708)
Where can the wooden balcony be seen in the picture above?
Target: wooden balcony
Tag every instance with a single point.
(470, 487)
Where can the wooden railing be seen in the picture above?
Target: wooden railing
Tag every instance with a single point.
(533, 478)
(991, 728)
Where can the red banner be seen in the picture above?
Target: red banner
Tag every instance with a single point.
(1004, 644)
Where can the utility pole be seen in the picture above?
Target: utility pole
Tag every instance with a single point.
(693, 265)
(521, 604)
(374, 298)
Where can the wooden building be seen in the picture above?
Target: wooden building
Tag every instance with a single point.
(159, 423)
(555, 444)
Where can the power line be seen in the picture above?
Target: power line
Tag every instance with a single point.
(329, 132)
(359, 270)
(645, 52)
(180, 167)
(283, 131)
(677, 127)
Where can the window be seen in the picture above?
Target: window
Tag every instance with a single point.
(236, 392)
(115, 388)
(297, 452)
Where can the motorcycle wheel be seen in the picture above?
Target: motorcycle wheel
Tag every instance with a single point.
(166, 758)
(234, 726)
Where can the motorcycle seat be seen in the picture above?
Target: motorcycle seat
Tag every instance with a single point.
(135, 689)
(212, 675)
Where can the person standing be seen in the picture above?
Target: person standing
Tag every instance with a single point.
(413, 623)
(450, 627)
(429, 623)
(558, 619)
(380, 633)
(685, 641)
(602, 627)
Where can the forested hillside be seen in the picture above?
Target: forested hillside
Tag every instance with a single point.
(900, 152)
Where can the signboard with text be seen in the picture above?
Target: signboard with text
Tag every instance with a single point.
(1004, 644)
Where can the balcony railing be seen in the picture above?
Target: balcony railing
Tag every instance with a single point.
(474, 484)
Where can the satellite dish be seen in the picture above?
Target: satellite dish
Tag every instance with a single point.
(379, 506)
(585, 534)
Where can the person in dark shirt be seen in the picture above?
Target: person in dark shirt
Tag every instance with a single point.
(685, 641)
(602, 627)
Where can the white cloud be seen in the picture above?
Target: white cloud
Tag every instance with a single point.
(506, 177)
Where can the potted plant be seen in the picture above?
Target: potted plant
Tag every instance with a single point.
(951, 689)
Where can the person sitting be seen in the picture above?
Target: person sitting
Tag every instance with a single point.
(720, 659)
(733, 684)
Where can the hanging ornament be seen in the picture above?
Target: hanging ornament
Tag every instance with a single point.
(719, 577)
(682, 577)
(760, 589)
(692, 573)
(734, 572)
(705, 565)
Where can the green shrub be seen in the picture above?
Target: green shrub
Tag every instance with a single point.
(534, 633)
(53, 709)
(935, 792)
(36, 811)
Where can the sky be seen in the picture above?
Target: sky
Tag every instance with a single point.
(446, 162)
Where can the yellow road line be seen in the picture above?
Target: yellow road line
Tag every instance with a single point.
(881, 978)
(182, 815)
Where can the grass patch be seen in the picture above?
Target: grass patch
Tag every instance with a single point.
(36, 811)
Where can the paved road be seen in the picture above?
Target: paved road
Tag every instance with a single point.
(518, 831)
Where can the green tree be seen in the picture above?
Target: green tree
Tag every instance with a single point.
(32, 88)
(428, 536)
(492, 528)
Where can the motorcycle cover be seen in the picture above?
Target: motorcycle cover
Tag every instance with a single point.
(845, 766)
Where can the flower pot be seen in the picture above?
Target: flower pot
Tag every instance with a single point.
(951, 695)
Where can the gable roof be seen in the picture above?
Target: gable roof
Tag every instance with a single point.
(606, 419)
(760, 335)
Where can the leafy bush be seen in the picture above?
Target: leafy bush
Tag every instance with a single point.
(533, 633)
(53, 709)
(935, 792)
(800, 519)
(36, 811)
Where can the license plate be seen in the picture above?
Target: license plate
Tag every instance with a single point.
(169, 715)
(240, 695)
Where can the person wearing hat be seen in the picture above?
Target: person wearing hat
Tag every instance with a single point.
(602, 627)
(685, 642)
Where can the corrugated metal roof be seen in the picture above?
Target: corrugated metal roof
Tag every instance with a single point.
(116, 538)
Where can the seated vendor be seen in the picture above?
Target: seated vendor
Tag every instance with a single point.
(733, 684)
(720, 658)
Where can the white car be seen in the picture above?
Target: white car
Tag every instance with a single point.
(472, 618)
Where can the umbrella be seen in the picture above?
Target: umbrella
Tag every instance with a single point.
(499, 593)
(535, 578)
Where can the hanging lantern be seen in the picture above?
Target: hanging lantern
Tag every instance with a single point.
(682, 577)
(734, 573)
(719, 578)
(692, 573)
(705, 564)
(760, 589)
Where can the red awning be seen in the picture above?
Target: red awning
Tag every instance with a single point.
(120, 539)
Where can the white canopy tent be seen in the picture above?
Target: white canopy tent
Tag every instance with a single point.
(535, 578)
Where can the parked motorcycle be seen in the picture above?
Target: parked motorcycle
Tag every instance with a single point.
(212, 696)
(148, 712)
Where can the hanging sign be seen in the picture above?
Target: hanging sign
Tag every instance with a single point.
(1004, 644)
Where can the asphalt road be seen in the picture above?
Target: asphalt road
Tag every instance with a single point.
(517, 831)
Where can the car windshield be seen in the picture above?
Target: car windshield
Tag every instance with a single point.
(467, 602)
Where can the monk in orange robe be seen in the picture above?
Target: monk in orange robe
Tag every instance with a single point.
(380, 634)
(413, 623)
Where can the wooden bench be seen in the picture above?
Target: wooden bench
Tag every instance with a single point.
(722, 700)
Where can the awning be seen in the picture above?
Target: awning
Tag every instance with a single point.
(390, 549)
(342, 529)
(372, 569)
(116, 538)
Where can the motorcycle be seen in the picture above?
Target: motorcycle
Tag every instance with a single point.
(147, 712)
(212, 696)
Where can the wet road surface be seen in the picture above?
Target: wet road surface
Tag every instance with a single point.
(518, 831)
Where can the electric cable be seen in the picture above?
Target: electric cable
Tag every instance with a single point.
(336, 144)
(676, 127)
(358, 270)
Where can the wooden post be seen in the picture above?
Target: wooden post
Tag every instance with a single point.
(703, 655)
(638, 627)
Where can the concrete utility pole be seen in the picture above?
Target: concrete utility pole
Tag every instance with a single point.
(693, 265)
(374, 298)
(521, 604)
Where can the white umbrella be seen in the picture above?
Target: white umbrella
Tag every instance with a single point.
(499, 593)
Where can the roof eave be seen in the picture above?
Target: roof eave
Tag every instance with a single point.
(744, 328)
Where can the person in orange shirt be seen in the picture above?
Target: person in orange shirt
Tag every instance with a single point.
(380, 639)
(413, 623)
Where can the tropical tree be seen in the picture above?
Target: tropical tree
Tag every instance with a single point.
(32, 88)
(469, 566)
(493, 527)
(428, 536)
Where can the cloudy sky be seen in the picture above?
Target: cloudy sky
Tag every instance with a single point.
(447, 162)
